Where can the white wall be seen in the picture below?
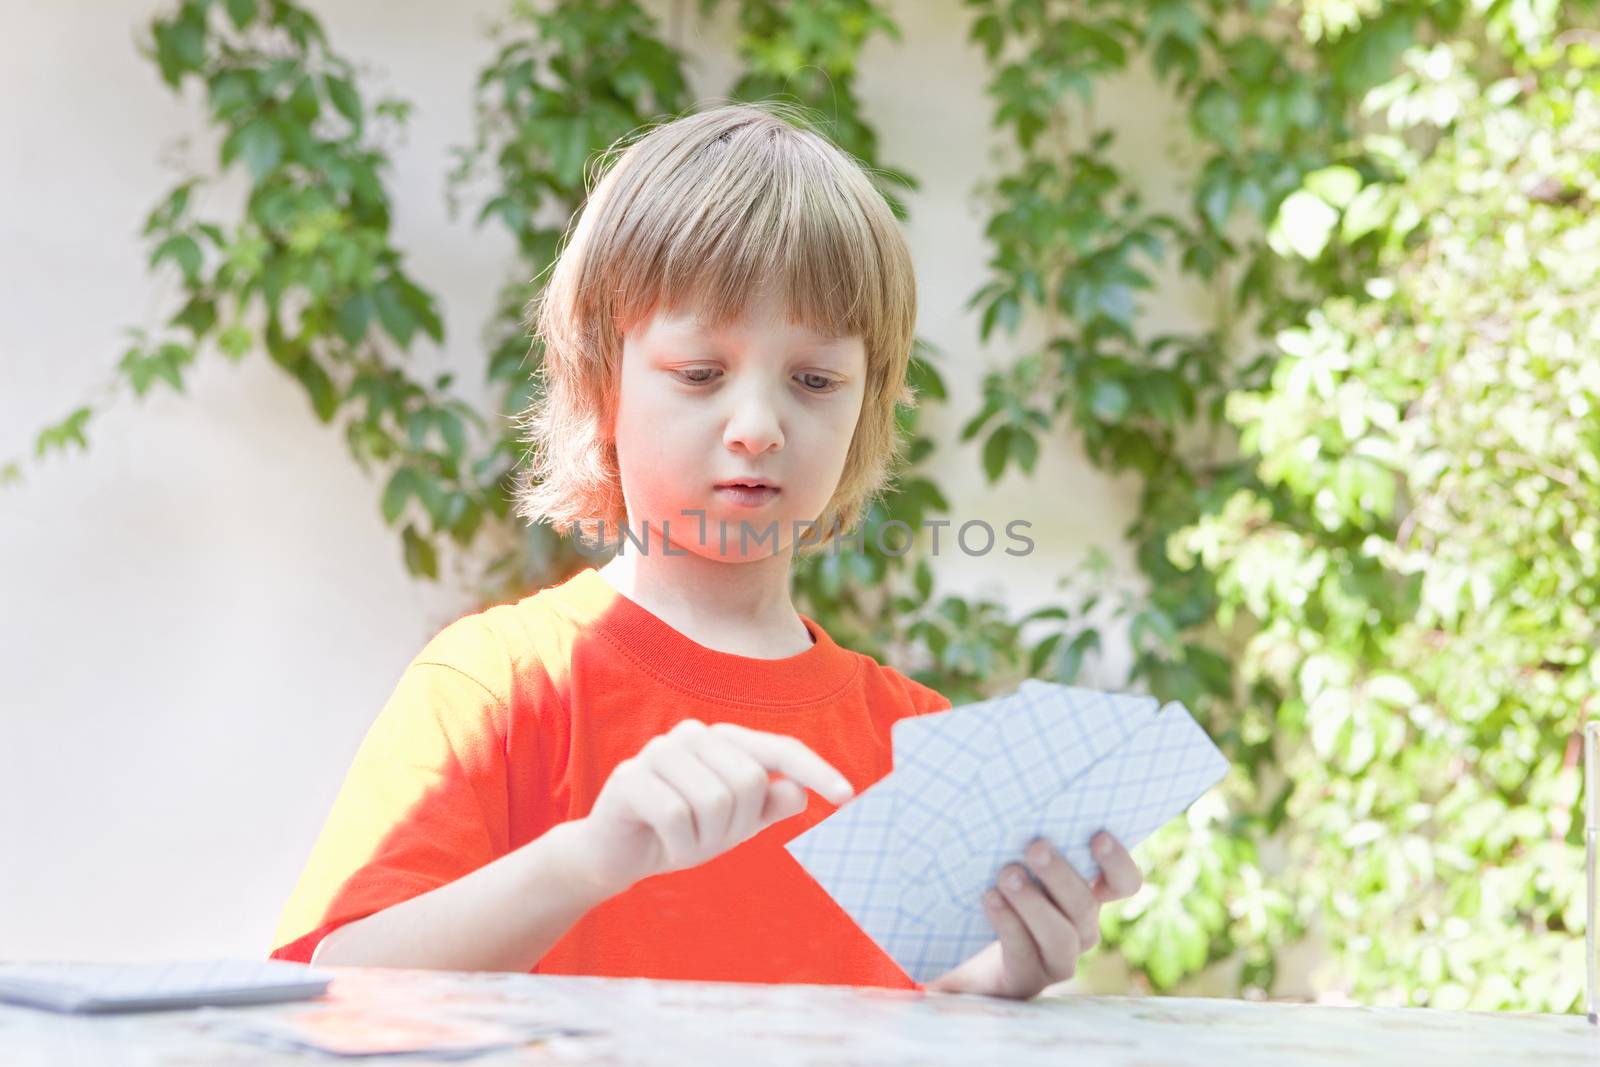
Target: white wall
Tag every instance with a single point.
(200, 616)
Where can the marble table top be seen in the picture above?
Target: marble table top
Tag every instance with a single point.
(637, 1021)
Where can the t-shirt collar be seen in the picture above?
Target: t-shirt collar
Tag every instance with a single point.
(815, 674)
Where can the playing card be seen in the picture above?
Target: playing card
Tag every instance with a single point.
(1154, 776)
(848, 851)
(84, 986)
(972, 787)
(935, 759)
(995, 757)
(361, 1030)
(1054, 736)
(1045, 737)
(910, 733)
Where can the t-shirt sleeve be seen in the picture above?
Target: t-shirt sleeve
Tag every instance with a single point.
(926, 700)
(424, 801)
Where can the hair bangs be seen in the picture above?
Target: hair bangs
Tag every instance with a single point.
(752, 214)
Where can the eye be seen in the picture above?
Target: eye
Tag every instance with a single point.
(697, 375)
(817, 383)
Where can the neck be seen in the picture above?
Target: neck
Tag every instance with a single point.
(742, 606)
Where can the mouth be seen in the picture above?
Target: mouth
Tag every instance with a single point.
(750, 493)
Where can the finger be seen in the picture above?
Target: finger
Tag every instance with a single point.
(1120, 877)
(1064, 885)
(790, 758)
(710, 803)
(747, 781)
(784, 800)
(1019, 957)
(1054, 936)
(656, 804)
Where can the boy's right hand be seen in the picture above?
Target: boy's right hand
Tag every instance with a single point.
(693, 793)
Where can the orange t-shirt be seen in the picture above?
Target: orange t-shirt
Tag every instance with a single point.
(510, 721)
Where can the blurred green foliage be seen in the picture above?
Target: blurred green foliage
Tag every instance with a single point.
(1418, 557)
(1367, 523)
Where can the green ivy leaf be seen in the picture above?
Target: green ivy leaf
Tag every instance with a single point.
(987, 31)
(1334, 185)
(197, 316)
(1216, 202)
(67, 431)
(402, 484)
(991, 406)
(1116, 302)
(230, 92)
(242, 12)
(182, 250)
(303, 103)
(345, 99)
(421, 307)
(1040, 655)
(320, 388)
(257, 144)
(1370, 209)
(394, 313)
(569, 151)
(996, 450)
(1217, 115)
(417, 428)
(354, 315)
(419, 554)
(454, 433)
(1025, 448)
(1109, 400)
(465, 525)
(1177, 18)
(434, 499)
(235, 341)
(180, 44)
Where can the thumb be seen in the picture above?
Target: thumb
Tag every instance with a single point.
(785, 798)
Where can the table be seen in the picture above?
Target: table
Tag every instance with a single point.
(650, 1022)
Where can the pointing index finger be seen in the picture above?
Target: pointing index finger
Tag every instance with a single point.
(791, 758)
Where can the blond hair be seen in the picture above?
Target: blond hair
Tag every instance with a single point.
(699, 214)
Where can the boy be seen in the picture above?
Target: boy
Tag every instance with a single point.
(600, 778)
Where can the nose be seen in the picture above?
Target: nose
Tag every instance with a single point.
(753, 424)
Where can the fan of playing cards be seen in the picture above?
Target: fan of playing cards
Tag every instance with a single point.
(910, 857)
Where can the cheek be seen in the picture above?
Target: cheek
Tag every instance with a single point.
(842, 429)
(651, 405)
(655, 451)
(643, 413)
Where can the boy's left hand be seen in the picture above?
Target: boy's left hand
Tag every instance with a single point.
(1043, 926)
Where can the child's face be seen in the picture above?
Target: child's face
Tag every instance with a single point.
(758, 400)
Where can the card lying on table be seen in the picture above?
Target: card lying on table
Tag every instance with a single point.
(343, 1029)
(910, 857)
(105, 987)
